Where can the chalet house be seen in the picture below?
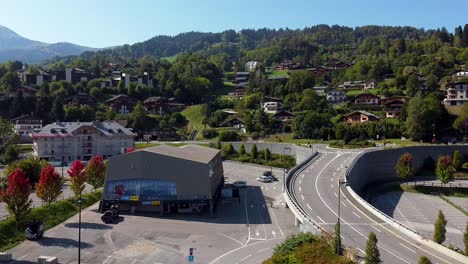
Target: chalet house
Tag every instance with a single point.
(239, 92)
(81, 99)
(271, 99)
(320, 70)
(366, 99)
(241, 77)
(73, 75)
(166, 133)
(27, 90)
(457, 93)
(369, 84)
(393, 105)
(322, 87)
(26, 124)
(289, 65)
(251, 65)
(161, 105)
(457, 75)
(122, 104)
(235, 123)
(35, 79)
(336, 97)
(283, 116)
(360, 117)
(271, 107)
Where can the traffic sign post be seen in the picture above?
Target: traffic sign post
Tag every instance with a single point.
(191, 257)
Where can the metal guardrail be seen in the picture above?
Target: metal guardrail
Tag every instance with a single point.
(290, 197)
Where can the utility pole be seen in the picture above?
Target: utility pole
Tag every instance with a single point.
(79, 231)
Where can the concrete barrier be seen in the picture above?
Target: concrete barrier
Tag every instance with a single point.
(379, 166)
(5, 257)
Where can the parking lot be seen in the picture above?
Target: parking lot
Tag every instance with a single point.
(419, 212)
(242, 231)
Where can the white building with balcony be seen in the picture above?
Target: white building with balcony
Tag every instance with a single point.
(336, 97)
(457, 93)
(69, 141)
(26, 124)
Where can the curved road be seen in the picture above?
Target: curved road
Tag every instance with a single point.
(316, 190)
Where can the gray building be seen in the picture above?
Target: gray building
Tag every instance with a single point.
(165, 179)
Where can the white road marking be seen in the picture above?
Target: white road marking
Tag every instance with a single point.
(107, 259)
(357, 215)
(20, 258)
(302, 176)
(300, 189)
(302, 196)
(230, 238)
(307, 171)
(407, 248)
(331, 179)
(257, 233)
(376, 229)
(133, 262)
(336, 195)
(320, 219)
(300, 182)
(343, 204)
(245, 258)
(273, 233)
(309, 206)
(361, 251)
(261, 250)
(332, 185)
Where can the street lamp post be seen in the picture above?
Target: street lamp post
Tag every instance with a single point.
(79, 231)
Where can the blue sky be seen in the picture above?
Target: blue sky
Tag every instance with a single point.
(102, 23)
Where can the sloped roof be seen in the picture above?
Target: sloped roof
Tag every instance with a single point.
(108, 128)
(189, 152)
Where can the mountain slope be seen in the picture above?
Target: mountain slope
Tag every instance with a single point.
(16, 47)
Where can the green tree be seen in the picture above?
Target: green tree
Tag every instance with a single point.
(57, 110)
(372, 251)
(9, 82)
(458, 37)
(228, 151)
(465, 239)
(336, 244)
(267, 154)
(139, 118)
(424, 260)
(253, 152)
(439, 228)
(11, 153)
(422, 113)
(121, 87)
(444, 170)
(32, 167)
(218, 144)
(17, 107)
(412, 85)
(465, 36)
(457, 160)
(242, 150)
(405, 166)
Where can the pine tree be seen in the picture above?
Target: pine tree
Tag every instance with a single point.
(242, 150)
(16, 196)
(57, 110)
(253, 152)
(458, 37)
(457, 160)
(424, 260)
(439, 228)
(372, 251)
(49, 187)
(465, 36)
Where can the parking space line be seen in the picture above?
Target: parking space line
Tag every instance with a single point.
(230, 238)
(300, 189)
(407, 248)
(248, 256)
(302, 196)
(376, 229)
(133, 262)
(107, 259)
(20, 258)
(309, 206)
(344, 204)
(357, 215)
(320, 219)
(261, 250)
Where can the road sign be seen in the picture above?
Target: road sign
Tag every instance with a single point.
(191, 258)
(134, 198)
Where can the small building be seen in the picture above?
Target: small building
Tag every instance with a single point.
(27, 90)
(235, 122)
(457, 75)
(161, 105)
(81, 99)
(336, 97)
(166, 133)
(271, 107)
(241, 77)
(239, 92)
(251, 65)
(25, 125)
(68, 141)
(393, 106)
(283, 116)
(165, 179)
(360, 117)
(366, 99)
(122, 104)
(457, 93)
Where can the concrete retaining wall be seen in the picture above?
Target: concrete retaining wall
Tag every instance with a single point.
(379, 166)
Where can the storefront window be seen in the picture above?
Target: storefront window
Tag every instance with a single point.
(145, 189)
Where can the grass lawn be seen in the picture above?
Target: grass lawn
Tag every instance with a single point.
(358, 92)
(453, 109)
(194, 115)
(227, 88)
(430, 190)
(277, 73)
(145, 145)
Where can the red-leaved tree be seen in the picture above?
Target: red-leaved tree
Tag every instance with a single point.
(96, 171)
(49, 187)
(77, 177)
(16, 196)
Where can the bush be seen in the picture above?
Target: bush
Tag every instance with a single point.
(465, 166)
(229, 136)
(209, 133)
(457, 160)
(405, 166)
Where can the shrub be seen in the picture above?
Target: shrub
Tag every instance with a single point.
(444, 169)
(457, 160)
(229, 136)
(439, 228)
(424, 260)
(228, 151)
(209, 133)
(404, 167)
(372, 251)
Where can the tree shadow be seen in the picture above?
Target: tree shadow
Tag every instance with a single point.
(86, 225)
(62, 242)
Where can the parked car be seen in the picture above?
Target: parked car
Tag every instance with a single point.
(110, 215)
(265, 178)
(270, 174)
(239, 184)
(34, 230)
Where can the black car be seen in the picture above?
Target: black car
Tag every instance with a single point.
(34, 230)
(110, 215)
(270, 174)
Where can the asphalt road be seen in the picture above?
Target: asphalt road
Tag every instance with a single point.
(316, 189)
(243, 231)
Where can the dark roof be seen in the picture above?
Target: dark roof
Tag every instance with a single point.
(367, 94)
(189, 152)
(25, 117)
(362, 112)
(283, 113)
(120, 96)
(153, 99)
(28, 88)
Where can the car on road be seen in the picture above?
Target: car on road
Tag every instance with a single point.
(270, 174)
(239, 184)
(265, 179)
(110, 215)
